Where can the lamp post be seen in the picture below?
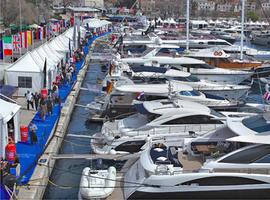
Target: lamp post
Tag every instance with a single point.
(187, 27)
(242, 29)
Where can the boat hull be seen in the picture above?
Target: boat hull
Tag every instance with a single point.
(220, 194)
(224, 78)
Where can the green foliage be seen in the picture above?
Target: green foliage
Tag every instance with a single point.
(253, 16)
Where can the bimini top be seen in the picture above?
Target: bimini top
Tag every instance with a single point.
(255, 125)
(163, 106)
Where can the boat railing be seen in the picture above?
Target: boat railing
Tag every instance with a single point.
(175, 129)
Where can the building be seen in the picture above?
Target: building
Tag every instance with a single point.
(93, 3)
(162, 8)
(250, 6)
(205, 5)
(266, 5)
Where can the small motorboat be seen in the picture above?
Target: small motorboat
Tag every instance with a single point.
(97, 184)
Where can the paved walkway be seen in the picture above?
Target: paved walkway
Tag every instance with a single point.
(26, 116)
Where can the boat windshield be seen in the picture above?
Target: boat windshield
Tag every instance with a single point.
(187, 79)
(190, 93)
(217, 114)
(257, 123)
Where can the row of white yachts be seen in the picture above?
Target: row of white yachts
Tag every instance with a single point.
(182, 146)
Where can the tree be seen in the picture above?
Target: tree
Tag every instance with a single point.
(253, 16)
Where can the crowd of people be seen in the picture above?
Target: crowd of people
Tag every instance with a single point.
(43, 103)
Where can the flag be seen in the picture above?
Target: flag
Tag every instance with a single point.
(7, 45)
(40, 33)
(1, 50)
(23, 40)
(17, 42)
(266, 96)
(71, 21)
(29, 38)
(45, 74)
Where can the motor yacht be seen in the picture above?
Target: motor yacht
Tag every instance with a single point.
(219, 58)
(145, 74)
(196, 67)
(165, 118)
(165, 169)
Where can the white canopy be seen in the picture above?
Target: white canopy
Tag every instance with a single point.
(199, 22)
(8, 110)
(25, 64)
(95, 23)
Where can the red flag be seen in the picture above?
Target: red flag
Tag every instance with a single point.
(37, 34)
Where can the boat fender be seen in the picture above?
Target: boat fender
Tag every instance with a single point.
(113, 152)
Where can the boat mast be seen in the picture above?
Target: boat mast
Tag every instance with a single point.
(242, 29)
(187, 27)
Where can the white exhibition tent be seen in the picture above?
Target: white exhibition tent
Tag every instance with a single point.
(94, 23)
(27, 71)
(29, 68)
(7, 112)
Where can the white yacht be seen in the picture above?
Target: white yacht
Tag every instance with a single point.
(182, 91)
(193, 43)
(164, 170)
(131, 133)
(148, 74)
(163, 118)
(196, 67)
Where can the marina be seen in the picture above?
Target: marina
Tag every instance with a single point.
(111, 106)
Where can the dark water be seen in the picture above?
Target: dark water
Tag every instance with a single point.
(68, 172)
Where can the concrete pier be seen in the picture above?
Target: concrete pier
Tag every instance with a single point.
(44, 168)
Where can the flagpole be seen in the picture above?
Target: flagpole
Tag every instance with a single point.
(20, 27)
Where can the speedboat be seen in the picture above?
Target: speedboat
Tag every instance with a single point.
(97, 184)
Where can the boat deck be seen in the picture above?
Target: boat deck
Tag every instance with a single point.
(190, 163)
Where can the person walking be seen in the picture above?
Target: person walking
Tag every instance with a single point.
(69, 76)
(33, 135)
(49, 106)
(36, 99)
(43, 108)
(29, 98)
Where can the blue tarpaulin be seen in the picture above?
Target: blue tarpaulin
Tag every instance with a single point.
(7, 90)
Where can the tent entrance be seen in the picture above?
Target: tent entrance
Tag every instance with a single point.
(11, 129)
